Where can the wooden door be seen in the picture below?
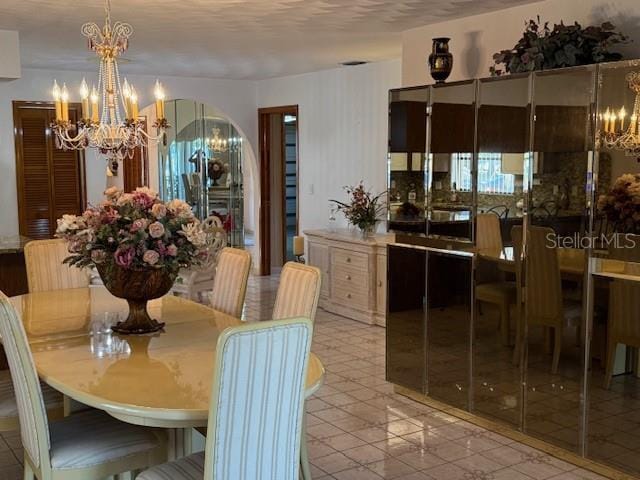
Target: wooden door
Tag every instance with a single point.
(136, 169)
(50, 181)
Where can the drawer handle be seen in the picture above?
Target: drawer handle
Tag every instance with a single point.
(348, 277)
(348, 259)
(348, 295)
(380, 283)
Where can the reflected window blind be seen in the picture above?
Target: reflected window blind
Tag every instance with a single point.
(490, 177)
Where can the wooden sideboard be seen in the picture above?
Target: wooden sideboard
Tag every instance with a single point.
(354, 273)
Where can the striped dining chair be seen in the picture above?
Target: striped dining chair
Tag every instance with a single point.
(257, 400)
(45, 270)
(230, 281)
(298, 294)
(85, 446)
(298, 291)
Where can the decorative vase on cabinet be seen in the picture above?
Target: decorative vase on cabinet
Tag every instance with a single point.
(440, 60)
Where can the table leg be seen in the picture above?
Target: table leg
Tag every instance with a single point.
(305, 469)
(179, 443)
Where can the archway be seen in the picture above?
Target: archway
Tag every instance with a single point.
(207, 161)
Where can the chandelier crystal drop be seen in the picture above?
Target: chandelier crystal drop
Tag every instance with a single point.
(110, 120)
(616, 131)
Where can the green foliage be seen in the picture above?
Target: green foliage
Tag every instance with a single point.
(542, 48)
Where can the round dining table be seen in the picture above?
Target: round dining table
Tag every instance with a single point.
(159, 380)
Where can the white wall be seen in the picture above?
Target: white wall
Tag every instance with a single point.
(237, 99)
(475, 39)
(10, 66)
(343, 116)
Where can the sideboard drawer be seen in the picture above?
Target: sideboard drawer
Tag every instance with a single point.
(348, 258)
(354, 298)
(353, 279)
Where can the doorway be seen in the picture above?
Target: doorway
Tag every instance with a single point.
(278, 130)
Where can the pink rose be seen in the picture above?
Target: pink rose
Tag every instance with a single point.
(124, 256)
(156, 230)
(172, 250)
(142, 200)
(151, 257)
(98, 256)
(139, 224)
(159, 210)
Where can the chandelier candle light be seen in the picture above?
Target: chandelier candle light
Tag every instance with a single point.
(110, 117)
(618, 132)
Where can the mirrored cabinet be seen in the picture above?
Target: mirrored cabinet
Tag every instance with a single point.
(514, 283)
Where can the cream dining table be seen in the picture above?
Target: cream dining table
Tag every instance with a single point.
(163, 380)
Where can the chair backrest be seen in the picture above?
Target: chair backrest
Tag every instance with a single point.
(542, 280)
(45, 270)
(216, 241)
(230, 281)
(257, 401)
(34, 427)
(488, 235)
(298, 291)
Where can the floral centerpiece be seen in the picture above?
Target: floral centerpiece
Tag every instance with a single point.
(138, 244)
(621, 205)
(363, 210)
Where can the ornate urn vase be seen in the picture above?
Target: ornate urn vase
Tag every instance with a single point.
(137, 287)
(440, 60)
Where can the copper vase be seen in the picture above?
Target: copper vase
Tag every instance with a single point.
(137, 287)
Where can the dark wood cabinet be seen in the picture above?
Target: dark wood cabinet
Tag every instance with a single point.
(50, 181)
(407, 126)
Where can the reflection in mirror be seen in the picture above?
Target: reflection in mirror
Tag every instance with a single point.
(503, 142)
(450, 176)
(407, 147)
(202, 164)
(449, 291)
(405, 342)
(614, 387)
(555, 264)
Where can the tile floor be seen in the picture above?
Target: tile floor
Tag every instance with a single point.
(359, 429)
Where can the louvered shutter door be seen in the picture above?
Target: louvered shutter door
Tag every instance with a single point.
(50, 181)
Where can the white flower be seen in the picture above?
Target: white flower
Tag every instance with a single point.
(179, 208)
(112, 192)
(125, 198)
(156, 230)
(147, 191)
(70, 223)
(193, 233)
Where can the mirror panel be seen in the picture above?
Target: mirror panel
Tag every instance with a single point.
(406, 361)
(451, 168)
(562, 147)
(449, 292)
(407, 147)
(614, 386)
(503, 143)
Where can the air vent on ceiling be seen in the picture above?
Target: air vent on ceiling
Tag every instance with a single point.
(353, 63)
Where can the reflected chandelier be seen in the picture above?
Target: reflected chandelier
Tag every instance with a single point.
(110, 122)
(615, 132)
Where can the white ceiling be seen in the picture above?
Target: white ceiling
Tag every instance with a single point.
(238, 39)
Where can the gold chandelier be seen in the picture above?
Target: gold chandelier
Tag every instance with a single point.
(618, 133)
(110, 121)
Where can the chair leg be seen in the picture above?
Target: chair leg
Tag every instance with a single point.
(557, 346)
(611, 355)
(305, 469)
(518, 345)
(504, 323)
(28, 472)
